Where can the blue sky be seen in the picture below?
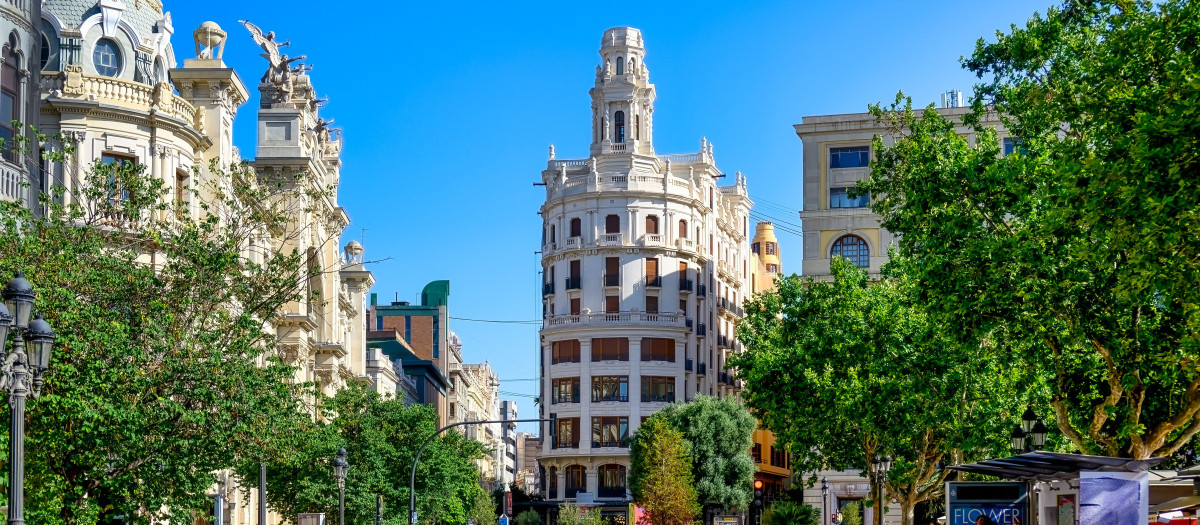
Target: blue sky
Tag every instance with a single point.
(447, 109)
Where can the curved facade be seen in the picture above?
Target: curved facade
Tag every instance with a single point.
(646, 261)
(19, 53)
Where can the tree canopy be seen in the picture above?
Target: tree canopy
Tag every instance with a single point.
(1080, 247)
(163, 370)
(719, 432)
(842, 371)
(661, 474)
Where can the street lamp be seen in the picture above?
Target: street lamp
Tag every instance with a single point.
(882, 465)
(824, 498)
(1030, 435)
(340, 466)
(21, 374)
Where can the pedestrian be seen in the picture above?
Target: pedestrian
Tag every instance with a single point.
(984, 520)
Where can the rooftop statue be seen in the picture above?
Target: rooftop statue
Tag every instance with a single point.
(280, 69)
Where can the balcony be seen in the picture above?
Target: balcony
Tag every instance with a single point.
(702, 290)
(141, 98)
(547, 289)
(687, 365)
(574, 243)
(688, 323)
(702, 369)
(729, 307)
(612, 280)
(609, 239)
(685, 285)
(610, 492)
(686, 245)
(701, 330)
(723, 378)
(616, 318)
(668, 398)
(614, 398)
(12, 183)
(610, 444)
(564, 444)
(555, 400)
(723, 341)
(654, 282)
(574, 283)
(652, 239)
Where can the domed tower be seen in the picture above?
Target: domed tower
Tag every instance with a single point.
(645, 261)
(623, 99)
(765, 250)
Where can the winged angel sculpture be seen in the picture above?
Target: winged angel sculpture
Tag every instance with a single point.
(280, 71)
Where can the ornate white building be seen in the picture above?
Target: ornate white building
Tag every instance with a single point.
(646, 260)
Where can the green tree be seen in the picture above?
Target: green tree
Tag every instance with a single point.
(381, 437)
(846, 370)
(720, 433)
(1081, 247)
(529, 517)
(570, 514)
(164, 367)
(661, 473)
(852, 514)
(791, 513)
(483, 509)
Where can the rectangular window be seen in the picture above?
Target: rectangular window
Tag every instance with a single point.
(576, 227)
(658, 389)
(757, 453)
(575, 308)
(658, 349)
(610, 349)
(565, 390)
(121, 165)
(565, 351)
(612, 224)
(651, 304)
(612, 304)
(609, 431)
(854, 157)
(1012, 145)
(612, 271)
(652, 278)
(838, 198)
(181, 193)
(568, 433)
(610, 388)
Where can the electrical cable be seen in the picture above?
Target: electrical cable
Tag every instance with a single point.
(529, 322)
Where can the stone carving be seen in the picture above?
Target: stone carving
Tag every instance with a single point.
(73, 85)
(280, 70)
(209, 38)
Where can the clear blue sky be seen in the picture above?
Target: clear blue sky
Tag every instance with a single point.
(448, 108)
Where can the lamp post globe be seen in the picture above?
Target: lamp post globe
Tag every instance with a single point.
(18, 297)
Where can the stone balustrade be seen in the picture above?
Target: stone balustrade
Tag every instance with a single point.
(12, 183)
(122, 93)
(625, 318)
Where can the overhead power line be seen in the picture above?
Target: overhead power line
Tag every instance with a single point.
(532, 321)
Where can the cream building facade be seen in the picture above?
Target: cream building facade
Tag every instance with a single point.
(110, 82)
(837, 153)
(645, 261)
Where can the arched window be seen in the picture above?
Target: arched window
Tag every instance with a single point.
(682, 229)
(552, 483)
(611, 480)
(632, 65)
(44, 54)
(576, 480)
(106, 57)
(553, 235)
(637, 127)
(10, 97)
(652, 224)
(612, 224)
(619, 127)
(854, 248)
(620, 66)
(576, 227)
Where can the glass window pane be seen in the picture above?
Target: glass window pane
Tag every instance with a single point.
(106, 57)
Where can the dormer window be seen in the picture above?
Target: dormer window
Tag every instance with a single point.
(620, 66)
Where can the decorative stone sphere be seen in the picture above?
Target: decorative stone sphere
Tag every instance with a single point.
(354, 248)
(209, 34)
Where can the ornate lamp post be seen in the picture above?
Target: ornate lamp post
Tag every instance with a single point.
(21, 374)
(824, 498)
(1030, 435)
(882, 465)
(340, 466)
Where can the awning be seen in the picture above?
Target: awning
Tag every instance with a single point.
(1183, 503)
(1042, 466)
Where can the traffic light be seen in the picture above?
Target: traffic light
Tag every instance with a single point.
(758, 500)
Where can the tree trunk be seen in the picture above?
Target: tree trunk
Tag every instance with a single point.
(907, 507)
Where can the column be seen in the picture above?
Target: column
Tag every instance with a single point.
(561, 474)
(635, 383)
(680, 372)
(591, 482)
(585, 395)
